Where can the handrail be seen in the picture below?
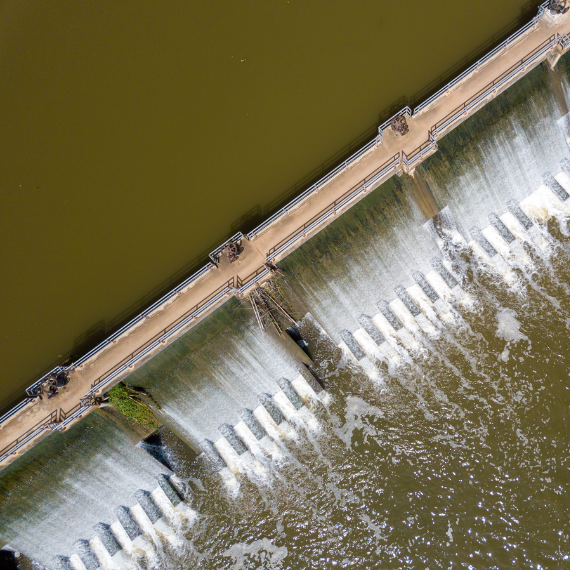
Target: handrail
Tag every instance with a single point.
(494, 85)
(362, 186)
(60, 420)
(252, 279)
(17, 444)
(140, 317)
(193, 278)
(410, 159)
(27, 436)
(485, 59)
(161, 337)
(16, 409)
(71, 416)
(315, 187)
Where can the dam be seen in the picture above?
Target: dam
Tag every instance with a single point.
(424, 369)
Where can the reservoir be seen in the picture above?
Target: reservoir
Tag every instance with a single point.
(137, 137)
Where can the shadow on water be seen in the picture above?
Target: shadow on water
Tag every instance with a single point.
(256, 215)
(528, 11)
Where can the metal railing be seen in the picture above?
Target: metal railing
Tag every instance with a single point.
(418, 154)
(306, 194)
(60, 419)
(75, 413)
(390, 165)
(315, 187)
(509, 42)
(161, 338)
(492, 87)
(27, 436)
(147, 312)
(30, 390)
(253, 278)
(16, 409)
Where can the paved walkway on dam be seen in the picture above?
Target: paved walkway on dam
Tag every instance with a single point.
(256, 250)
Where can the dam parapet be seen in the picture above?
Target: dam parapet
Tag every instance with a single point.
(245, 261)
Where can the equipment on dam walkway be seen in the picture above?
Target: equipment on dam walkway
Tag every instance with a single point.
(52, 383)
(232, 251)
(399, 125)
(558, 6)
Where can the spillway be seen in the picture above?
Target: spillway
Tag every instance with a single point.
(215, 371)
(55, 494)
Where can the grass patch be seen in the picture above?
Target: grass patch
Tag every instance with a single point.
(128, 403)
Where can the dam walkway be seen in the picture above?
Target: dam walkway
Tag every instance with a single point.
(544, 37)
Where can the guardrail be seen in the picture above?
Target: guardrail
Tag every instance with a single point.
(142, 316)
(315, 187)
(28, 436)
(244, 284)
(492, 87)
(362, 186)
(511, 40)
(56, 420)
(162, 336)
(30, 390)
(71, 416)
(419, 153)
(16, 409)
(60, 419)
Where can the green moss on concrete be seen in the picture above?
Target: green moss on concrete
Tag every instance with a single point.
(128, 403)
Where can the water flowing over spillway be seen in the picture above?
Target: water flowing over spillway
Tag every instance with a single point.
(61, 489)
(441, 436)
(218, 369)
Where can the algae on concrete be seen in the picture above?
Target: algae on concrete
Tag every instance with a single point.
(128, 402)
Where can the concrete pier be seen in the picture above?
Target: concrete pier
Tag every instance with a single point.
(544, 38)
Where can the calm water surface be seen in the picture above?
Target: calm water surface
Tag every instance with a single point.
(136, 136)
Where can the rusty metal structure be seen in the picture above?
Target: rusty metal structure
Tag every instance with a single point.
(558, 6)
(399, 125)
(50, 385)
(232, 251)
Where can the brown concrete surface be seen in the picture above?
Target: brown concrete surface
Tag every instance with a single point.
(255, 251)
